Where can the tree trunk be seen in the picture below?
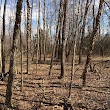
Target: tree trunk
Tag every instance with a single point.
(74, 47)
(44, 25)
(31, 46)
(68, 42)
(65, 8)
(56, 38)
(37, 42)
(39, 31)
(92, 37)
(28, 32)
(83, 31)
(9, 89)
(21, 51)
(3, 39)
(59, 41)
(0, 35)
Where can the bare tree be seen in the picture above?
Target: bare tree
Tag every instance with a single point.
(31, 27)
(56, 37)
(9, 89)
(75, 35)
(38, 34)
(0, 35)
(44, 27)
(65, 8)
(3, 39)
(92, 37)
(88, 2)
(60, 35)
(21, 51)
(28, 32)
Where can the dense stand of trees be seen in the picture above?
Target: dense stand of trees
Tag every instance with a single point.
(69, 29)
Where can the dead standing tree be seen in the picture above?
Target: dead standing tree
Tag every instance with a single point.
(9, 90)
(92, 37)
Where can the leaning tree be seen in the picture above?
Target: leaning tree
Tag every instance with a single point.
(92, 41)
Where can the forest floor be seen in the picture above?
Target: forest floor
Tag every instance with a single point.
(43, 93)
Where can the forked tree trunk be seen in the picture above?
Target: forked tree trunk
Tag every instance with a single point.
(3, 39)
(92, 37)
(9, 89)
(28, 32)
(65, 8)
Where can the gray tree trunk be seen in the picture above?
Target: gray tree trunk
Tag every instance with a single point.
(37, 42)
(9, 89)
(74, 46)
(44, 25)
(28, 32)
(3, 39)
(91, 46)
(56, 38)
(65, 10)
(21, 51)
(83, 31)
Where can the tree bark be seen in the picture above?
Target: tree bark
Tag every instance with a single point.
(28, 32)
(39, 35)
(74, 47)
(3, 39)
(9, 89)
(56, 38)
(37, 42)
(65, 9)
(91, 46)
(31, 46)
(44, 25)
(0, 35)
(21, 51)
(83, 30)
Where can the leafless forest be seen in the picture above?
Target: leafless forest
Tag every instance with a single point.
(55, 55)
